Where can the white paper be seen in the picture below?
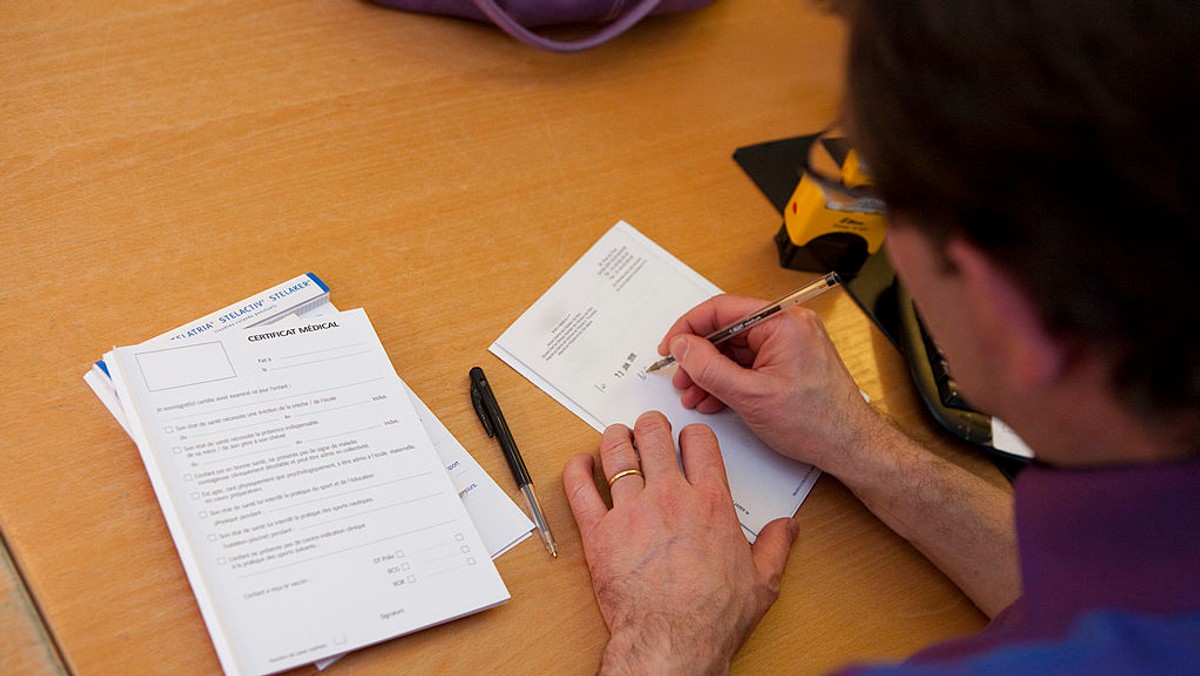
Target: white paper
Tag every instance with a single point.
(500, 523)
(588, 340)
(309, 507)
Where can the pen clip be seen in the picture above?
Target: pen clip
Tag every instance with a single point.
(477, 401)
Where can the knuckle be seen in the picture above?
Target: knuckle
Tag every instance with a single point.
(806, 317)
(707, 375)
(772, 588)
(615, 439)
(671, 506)
(575, 491)
(810, 323)
(716, 505)
(652, 422)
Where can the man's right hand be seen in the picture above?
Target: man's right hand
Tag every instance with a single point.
(783, 377)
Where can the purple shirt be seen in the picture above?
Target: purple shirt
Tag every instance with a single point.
(1110, 569)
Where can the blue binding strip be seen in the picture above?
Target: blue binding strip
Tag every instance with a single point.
(318, 281)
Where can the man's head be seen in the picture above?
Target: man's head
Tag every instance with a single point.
(1061, 140)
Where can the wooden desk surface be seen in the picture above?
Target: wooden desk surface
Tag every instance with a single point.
(163, 158)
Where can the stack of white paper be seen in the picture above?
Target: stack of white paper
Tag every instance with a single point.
(500, 523)
(300, 545)
(306, 500)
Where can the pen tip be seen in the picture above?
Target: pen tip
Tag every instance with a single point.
(661, 363)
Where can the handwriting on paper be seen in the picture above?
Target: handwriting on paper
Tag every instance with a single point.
(611, 308)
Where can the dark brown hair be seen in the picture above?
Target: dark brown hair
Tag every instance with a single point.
(1063, 139)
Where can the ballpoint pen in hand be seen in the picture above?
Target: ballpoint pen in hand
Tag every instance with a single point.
(488, 409)
(794, 298)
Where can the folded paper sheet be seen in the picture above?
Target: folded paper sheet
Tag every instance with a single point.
(588, 340)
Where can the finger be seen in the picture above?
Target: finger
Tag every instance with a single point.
(691, 396)
(715, 313)
(771, 549)
(617, 454)
(586, 504)
(735, 349)
(681, 381)
(701, 454)
(696, 398)
(710, 404)
(708, 368)
(656, 445)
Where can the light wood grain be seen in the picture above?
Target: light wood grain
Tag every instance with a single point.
(163, 158)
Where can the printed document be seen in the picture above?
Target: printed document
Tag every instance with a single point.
(500, 523)
(588, 340)
(310, 509)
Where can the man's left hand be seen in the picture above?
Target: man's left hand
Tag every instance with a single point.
(677, 582)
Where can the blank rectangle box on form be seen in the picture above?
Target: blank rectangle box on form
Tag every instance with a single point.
(185, 365)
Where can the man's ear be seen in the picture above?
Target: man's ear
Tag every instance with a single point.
(1003, 312)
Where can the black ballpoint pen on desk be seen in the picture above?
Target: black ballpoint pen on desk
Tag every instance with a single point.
(493, 422)
(806, 292)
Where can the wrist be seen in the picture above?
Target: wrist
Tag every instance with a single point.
(640, 652)
(867, 456)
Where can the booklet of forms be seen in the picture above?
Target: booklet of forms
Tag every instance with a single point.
(306, 500)
(500, 523)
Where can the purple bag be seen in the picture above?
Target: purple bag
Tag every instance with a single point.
(516, 16)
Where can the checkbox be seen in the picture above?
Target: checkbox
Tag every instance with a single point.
(465, 549)
(470, 560)
(221, 560)
(212, 537)
(458, 537)
(177, 450)
(187, 477)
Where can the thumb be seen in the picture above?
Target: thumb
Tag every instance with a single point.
(772, 547)
(712, 371)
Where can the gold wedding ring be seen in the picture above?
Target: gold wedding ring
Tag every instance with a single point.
(622, 474)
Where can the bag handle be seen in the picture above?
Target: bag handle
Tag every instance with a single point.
(612, 30)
